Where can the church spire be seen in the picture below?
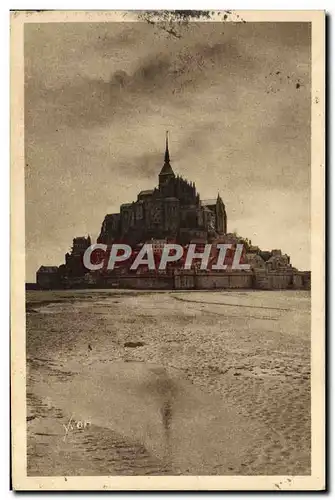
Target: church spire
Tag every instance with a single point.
(166, 173)
(167, 154)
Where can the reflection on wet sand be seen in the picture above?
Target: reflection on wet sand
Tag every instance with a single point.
(214, 391)
(167, 418)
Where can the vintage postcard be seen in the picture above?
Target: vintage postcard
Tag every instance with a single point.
(167, 291)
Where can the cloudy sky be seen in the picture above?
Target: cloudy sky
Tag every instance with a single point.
(100, 96)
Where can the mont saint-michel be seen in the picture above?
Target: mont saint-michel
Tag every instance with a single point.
(173, 212)
(167, 167)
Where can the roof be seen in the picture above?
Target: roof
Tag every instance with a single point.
(265, 254)
(208, 202)
(48, 269)
(254, 249)
(80, 238)
(255, 256)
(110, 216)
(166, 170)
(145, 192)
(276, 258)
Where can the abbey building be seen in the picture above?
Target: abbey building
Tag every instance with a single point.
(172, 211)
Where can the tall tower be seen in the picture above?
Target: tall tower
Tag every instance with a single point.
(166, 174)
(221, 216)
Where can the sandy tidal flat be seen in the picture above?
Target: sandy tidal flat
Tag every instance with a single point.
(214, 383)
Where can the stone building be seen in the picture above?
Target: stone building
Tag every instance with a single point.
(255, 261)
(172, 211)
(278, 261)
(47, 277)
(74, 264)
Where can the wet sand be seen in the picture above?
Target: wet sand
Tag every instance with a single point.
(218, 383)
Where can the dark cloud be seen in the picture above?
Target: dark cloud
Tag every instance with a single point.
(152, 72)
(99, 98)
(91, 102)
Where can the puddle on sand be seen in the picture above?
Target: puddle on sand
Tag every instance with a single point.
(180, 428)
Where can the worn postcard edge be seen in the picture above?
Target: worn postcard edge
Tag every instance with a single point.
(20, 480)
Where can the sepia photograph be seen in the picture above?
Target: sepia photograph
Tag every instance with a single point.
(167, 250)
